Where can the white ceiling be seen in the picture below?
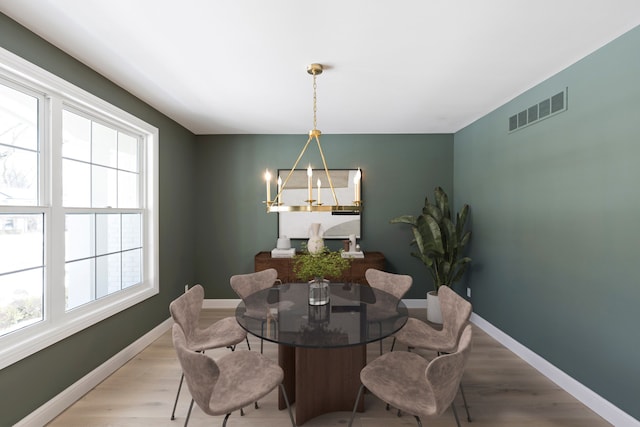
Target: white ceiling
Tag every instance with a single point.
(403, 66)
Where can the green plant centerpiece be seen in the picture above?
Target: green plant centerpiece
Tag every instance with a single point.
(315, 268)
(439, 241)
(325, 263)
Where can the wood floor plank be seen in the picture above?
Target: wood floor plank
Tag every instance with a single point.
(501, 389)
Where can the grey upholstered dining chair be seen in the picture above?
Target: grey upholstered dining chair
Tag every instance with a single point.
(229, 383)
(185, 311)
(455, 316)
(415, 385)
(394, 284)
(247, 284)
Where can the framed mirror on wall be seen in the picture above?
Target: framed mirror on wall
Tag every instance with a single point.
(334, 225)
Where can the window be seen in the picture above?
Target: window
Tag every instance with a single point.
(100, 171)
(21, 231)
(78, 209)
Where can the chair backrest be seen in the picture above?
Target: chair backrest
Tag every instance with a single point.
(444, 373)
(185, 310)
(200, 371)
(246, 284)
(455, 312)
(394, 284)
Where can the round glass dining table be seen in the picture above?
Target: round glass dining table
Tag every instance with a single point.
(322, 348)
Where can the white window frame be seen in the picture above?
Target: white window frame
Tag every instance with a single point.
(58, 323)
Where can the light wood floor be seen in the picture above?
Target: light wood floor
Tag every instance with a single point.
(501, 389)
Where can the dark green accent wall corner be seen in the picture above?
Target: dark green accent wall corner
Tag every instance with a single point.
(31, 382)
(555, 210)
(398, 172)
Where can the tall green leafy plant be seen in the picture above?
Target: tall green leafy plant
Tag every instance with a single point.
(440, 242)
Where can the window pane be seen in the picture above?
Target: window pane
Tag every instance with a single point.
(18, 118)
(21, 242)
(21, 299)
(131, 237)
(127, 190)
(127, 152)
(76, 184)
(108, 275)
(103, 187)
(18, 176)
(131, 268)
(107, 233)
(79, 236)
(76, 136)
(104, 145)
(79, 282)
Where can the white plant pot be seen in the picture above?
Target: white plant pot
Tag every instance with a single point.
(434, 314)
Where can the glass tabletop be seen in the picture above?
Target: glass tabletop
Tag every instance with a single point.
(355, 315)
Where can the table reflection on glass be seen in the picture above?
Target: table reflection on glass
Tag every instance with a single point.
(321, 348)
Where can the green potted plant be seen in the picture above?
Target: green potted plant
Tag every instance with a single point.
(439, 244)
(325, 263)
(315, 268)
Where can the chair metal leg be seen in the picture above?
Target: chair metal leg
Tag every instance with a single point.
(464, 399)
(226, 417)
(393, 343)
(175, 404)
(355, 405)
(186, 420)
(286, 400)
(455, 414)
(418, 421)
(248, 345)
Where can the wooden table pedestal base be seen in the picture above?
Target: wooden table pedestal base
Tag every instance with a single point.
(321, 380)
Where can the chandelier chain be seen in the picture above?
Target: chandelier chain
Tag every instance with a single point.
(315, 86)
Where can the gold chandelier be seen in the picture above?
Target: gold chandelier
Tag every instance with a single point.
(311, 204)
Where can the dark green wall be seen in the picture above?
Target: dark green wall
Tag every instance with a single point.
(398, 172)
(555, 219)
(29, 383)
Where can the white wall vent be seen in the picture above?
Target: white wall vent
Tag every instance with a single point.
(544, 109)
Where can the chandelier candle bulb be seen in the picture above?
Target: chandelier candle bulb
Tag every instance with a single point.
(356, 182)
(279, 188)
(309, 175)
(267, 178)
(319, 187)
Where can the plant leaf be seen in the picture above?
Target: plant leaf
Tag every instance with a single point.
(442, 201)
(404, 219)
(428, 237)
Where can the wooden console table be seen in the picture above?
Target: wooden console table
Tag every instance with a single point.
(355, 274)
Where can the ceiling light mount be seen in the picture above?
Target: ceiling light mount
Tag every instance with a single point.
(315, 69)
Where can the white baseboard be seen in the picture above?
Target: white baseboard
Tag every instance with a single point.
(592, 400)
(71, 394)
(220, 303)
